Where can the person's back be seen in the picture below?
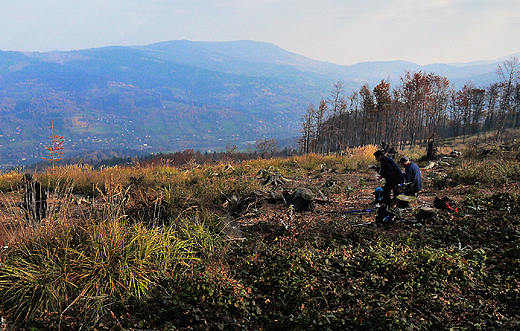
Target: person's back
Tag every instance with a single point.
(412, 176)
(390, 171)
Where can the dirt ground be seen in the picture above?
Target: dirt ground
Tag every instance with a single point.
(351, 198)
(354, 192)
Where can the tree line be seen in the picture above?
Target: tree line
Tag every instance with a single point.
(422, 107)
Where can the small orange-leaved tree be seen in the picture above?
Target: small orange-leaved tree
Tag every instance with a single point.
(55, 151)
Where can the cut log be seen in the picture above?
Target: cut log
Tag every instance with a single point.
(249, 203)
(430, 165)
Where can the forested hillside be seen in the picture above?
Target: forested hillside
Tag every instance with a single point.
(421, 108)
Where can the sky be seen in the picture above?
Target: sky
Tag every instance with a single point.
(338, 31)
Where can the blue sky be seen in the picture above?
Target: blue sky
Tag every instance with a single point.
(337, 31)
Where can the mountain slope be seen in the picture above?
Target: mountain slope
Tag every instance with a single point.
(174, 95)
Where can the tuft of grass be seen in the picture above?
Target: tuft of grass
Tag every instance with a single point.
(360, 158)
(10, 181)
(485, 172)
(87, 268)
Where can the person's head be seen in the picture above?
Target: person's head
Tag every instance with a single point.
(379, 155)
(27, 177)
(404, 161)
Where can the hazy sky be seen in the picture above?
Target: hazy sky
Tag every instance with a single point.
(338, 31)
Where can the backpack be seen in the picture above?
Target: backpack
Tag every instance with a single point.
(445, 203)
(384, 216)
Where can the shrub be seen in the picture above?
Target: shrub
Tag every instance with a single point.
(10, 181)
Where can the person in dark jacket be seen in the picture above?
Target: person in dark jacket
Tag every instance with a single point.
(412, 177)
(390, 171)
(34, 200)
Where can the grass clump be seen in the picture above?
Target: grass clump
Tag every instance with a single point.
(359, 158)
(486, 172)
(9, 181)
(88, 268)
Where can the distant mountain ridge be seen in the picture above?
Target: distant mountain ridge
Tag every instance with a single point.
(174, 95)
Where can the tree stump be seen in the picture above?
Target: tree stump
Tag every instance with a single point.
(302, 199)
(249, 203)
(431, 150)
(275, 179)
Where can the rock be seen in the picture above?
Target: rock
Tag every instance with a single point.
(426, 213)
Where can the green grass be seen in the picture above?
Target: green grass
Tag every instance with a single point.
(486, 172)
(86, 268)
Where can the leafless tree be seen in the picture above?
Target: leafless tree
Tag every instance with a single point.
(337, 105)
(367, 112)
(267, 147)
(509, 73)
(383, 102)
(307, 130)
(321, 129)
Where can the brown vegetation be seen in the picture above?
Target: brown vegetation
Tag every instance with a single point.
(224, 246)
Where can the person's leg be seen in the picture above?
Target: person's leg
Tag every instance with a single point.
(396, 191)
(387, 192)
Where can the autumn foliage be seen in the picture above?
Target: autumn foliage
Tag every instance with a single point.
(55, 150)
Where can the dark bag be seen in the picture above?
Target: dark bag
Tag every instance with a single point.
(445, 204)
(384, 216)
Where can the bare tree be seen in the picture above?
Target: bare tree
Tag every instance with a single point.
(319, 120)
(477, 107)
(516, 105)
(307, 130)
(383, 102)
(437, 99)
(492, 95)
(509, 73)
(367, 112)
(266, 147)
(337, 105)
